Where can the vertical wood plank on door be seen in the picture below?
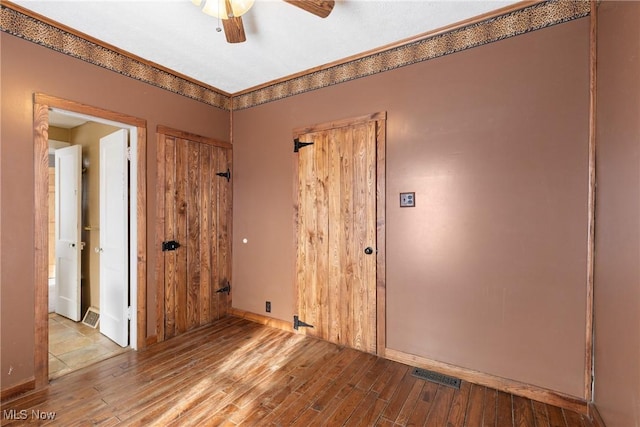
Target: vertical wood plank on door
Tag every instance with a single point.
(307, 266)
(335, 243)
(359, 240)
(204, 211)
(311, 272)
(170, 258)
(160, 230)
(381, 239)
(346, 223)
(40, 162)
(370, 316)
(224, 231)
(214, 305)
(193, 235)
(365, 191)
(181, 235)
(321, 158)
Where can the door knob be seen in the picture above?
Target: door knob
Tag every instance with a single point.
(72, 245)
(368, 250)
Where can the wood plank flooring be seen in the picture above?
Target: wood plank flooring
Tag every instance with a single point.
(236, 372)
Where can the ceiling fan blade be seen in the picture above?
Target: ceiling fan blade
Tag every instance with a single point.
(321, 8)
(234, 30)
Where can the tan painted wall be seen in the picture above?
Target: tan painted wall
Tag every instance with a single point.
(59, 134)
(27, 68)
(617, 268)
(488, 272)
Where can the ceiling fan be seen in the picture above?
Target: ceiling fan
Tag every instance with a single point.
(231, 11)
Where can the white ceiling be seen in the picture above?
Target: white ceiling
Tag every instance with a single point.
(281, 39)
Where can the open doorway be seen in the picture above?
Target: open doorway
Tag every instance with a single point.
(134, 203)
(88, 212)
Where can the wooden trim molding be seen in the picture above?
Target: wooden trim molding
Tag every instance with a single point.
(18, 389)
(595, 416)
(263, 320)
(160, 224)
(340, 123)
(41, 242)
(41, 105)
(76, 107)
(509, 386)
(141, 224)
(381, 236)
(38, 29)
(591, 204)
(165, 130)
(151, 340)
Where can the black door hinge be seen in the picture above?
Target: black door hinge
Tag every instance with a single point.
(226, 289)
(170, 245)
(297, 323)
(297, 145)
(226, 174)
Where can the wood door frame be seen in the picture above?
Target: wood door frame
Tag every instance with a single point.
(161, 133)
(381, 281)
(41, 105)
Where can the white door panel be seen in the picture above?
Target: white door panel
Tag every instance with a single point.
(68, 179)
(114, 209)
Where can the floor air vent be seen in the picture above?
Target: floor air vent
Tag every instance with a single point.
(436, 377)
(91, 317)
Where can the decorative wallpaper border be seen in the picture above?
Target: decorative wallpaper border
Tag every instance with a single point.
(518, 22)
(29, 28)
(511, 24)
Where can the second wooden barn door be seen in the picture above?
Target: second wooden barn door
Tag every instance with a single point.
(336, 230)
(194, 231)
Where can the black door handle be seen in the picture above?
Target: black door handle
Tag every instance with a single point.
(368, 250)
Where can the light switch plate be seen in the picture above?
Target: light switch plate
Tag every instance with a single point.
(408, 200)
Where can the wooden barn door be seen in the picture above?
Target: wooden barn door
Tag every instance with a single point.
(336, 231)
(194, 231)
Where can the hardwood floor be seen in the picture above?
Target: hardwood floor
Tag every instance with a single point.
(237, 372)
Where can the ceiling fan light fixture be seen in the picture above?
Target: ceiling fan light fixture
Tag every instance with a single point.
(218, 8)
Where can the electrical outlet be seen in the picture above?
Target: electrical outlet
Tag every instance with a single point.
(408, 200)
(267, 306)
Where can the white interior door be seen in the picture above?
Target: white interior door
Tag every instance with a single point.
(114, 211)
(67, 230)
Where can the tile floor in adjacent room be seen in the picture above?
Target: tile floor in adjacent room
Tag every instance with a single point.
(74, 345)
